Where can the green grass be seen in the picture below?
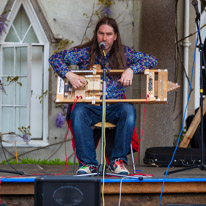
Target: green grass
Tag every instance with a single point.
(39, 161)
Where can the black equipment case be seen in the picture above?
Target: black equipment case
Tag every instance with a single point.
(161, 156)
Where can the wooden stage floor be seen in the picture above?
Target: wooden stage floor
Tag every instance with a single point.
(188, 187)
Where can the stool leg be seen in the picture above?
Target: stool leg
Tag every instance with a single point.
(133, 163)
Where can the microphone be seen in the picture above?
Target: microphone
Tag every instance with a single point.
(102, 45)
(195, 4)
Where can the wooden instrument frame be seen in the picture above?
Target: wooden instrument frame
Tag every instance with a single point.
(157, 87)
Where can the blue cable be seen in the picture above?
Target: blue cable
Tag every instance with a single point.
(183, 118)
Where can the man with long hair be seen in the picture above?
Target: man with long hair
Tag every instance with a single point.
(123, 115)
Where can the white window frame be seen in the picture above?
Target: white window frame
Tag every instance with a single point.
(28, 46)
(43, 41)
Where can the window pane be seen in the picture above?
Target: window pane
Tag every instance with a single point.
(21, 23)
(36, 87)
(21, 92)
(8, 61)
(31, 37)
(20, 118)
(8, 98)
(7, 117)
(21, 60)
(11, 37)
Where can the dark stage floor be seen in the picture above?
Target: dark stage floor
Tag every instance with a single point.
(156, 172)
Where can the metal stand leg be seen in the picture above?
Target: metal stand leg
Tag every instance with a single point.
(133, 163)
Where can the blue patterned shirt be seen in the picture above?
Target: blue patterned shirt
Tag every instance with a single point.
(137, 61)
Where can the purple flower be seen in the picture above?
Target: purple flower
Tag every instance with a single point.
(2, 24)
(107, 11)
(25, 133)
(60, 120)
(26, 137)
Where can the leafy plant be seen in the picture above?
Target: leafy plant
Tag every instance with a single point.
(25, 133)
(28, 160)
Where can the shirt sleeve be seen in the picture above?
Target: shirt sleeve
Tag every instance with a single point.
(61, 61)
(139, 61)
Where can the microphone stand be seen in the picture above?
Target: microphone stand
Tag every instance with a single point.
(202, 66)
(101, 167)
(8, 171)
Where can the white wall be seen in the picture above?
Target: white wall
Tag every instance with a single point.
(2, 5)
(66, 18)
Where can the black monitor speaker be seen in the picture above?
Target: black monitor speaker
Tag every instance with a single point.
(67, 190)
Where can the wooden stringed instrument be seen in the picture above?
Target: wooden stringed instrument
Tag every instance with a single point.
(157, 87)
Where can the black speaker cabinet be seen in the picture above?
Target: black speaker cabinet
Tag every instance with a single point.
(67, 190)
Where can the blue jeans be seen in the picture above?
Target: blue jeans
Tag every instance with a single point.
(84, 116)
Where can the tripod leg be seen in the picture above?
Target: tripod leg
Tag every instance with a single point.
(13, 172)
(183, 169)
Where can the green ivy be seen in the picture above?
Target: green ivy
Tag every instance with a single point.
(39, 162)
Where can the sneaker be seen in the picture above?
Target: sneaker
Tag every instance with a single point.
(87, 170)
(119, 168)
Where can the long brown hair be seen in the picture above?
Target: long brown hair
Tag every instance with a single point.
(117, 57)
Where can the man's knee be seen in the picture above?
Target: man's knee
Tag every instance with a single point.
(78, 112)
(129, 109)
(129, 112)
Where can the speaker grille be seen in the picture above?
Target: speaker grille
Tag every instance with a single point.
(67, 190)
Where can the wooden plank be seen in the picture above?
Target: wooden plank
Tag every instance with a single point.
(193, 127)
(153, 199)
(113, 188)
(162, 85)
(156, 187)
(17, 188)
(112, 71)
(99, 101)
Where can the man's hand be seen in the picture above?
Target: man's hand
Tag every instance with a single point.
(75, 80)
(126, 78)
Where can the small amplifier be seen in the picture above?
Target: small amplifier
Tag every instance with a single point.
(67, 190)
